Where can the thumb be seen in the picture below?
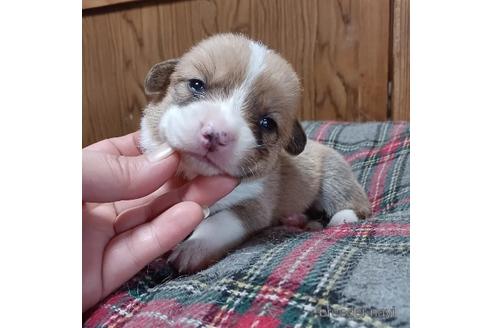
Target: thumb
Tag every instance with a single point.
(109, 177)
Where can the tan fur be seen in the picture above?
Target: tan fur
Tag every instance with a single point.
(294, 184)
(317, 178)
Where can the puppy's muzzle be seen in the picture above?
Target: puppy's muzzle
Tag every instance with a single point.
(214, 138)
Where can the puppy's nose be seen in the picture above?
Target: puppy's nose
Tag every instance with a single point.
(213, 138)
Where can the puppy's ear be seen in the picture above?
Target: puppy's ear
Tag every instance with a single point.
(297, 140)
(157, 79)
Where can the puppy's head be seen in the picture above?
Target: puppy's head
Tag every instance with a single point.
(228, 106)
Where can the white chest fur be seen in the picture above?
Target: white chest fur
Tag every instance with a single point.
(244, 191)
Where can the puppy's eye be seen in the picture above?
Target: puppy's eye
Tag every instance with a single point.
(268, 124)
(196, 86)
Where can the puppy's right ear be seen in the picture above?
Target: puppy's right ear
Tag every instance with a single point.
(297, 141)
(157, 79)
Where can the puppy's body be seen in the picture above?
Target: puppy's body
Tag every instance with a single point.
(229, 106)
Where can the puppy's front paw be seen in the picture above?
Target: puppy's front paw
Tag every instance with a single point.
(193, 255)
(211, 240)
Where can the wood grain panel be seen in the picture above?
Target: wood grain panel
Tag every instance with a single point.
(87, 4)
(351, 60)
(400, 97)
(339, 48)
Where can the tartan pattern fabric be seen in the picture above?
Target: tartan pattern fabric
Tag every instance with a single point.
(353, 275)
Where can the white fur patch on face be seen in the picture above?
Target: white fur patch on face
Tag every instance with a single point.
(181, 127)
(342, 217)
(244, 191)
(256, 65)
(221, 230)
(147, 139)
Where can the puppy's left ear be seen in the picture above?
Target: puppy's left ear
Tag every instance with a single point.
(157, 79)
(297, 140)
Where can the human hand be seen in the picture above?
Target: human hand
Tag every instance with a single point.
(134, 210)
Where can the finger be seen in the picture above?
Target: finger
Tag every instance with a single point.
(173, 183)
(128, 145)
(208, 190)
(202, 190)
(129, 252)
(107, 177)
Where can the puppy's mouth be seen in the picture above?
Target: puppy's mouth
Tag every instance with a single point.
(204, 159)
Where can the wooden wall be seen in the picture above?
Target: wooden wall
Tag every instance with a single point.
(342, 50)
(400, 61)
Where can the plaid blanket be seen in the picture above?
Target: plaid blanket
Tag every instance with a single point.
(354, 275)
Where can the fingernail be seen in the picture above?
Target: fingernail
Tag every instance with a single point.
(206, 212)
(161, 152)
